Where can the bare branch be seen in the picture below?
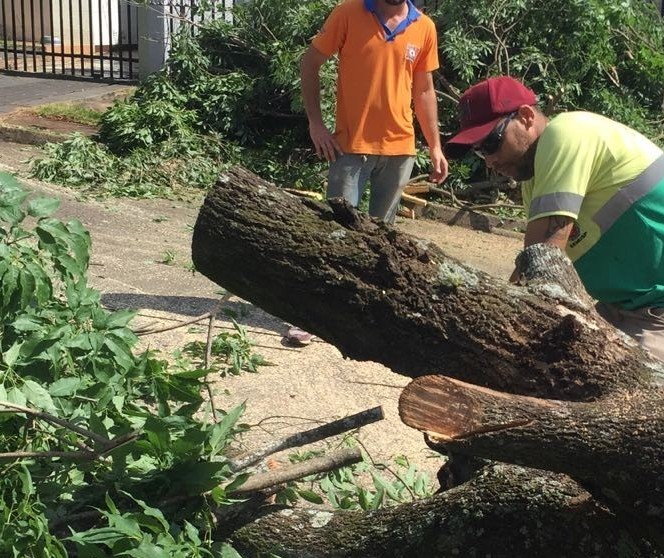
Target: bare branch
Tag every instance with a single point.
(339, 458)
(315, 434)
(74, 455)
(57, 420)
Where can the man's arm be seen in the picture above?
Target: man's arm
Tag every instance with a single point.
(426, 111)
(554, 229)
(324, 142)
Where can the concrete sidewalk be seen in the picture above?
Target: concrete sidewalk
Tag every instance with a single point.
(26, 91)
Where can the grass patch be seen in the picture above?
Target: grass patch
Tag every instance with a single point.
(71, 113)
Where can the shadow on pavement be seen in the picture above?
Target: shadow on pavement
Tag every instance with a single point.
(244, 313)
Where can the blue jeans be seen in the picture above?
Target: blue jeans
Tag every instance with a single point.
(387, 174)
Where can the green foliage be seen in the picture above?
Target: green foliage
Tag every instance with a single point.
(118, 433)
(169, 169)
(234, 352)
(595, 55)
(230, 93)
(361, 486)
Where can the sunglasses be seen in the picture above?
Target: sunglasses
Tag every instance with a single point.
(494, 140)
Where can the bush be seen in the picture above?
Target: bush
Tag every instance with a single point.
(240, 84)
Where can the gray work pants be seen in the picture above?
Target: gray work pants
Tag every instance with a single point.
(387, 174)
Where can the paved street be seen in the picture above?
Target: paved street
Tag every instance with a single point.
(21, 91)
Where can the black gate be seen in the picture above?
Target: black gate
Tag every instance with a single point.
(92, 39)
(75, 38)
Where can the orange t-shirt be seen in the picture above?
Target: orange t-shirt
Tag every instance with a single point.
(374, 84)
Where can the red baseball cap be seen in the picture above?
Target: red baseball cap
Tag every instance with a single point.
(483, 105)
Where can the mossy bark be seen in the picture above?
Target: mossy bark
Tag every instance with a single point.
(506, 511)
(380, 295)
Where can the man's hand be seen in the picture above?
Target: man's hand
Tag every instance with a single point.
(325, 143)
(439, 165)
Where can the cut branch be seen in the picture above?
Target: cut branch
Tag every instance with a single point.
(614, 447)
(364, 287)
(330, 462)
(72, 455)
(103, 441)
(302, 438)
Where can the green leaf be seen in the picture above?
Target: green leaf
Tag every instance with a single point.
(42, 207)
(120, 350)
(193, 374)
(145, 550)
(38, 397)
(25, 323)
(310, 496)
(16, 396)
(192, 533)
(227, 551)
(381, 483)
(89, 551)
(151, 512)
(125, 525)
(119, 318)
(43, 287)
(28, 286)
(11, 356)
(104, 535)
(157, 434)
(221, 431)
(9, 183)
(64, 387)
(198, 477)
(110, 504)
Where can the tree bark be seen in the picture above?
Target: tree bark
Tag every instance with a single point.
(614, 447)
(366, 288)
(506, 511)
(381, 295)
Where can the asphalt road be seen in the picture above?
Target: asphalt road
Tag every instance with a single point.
(23, 91)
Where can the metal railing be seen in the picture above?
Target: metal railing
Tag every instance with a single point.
(91, 39)
(74, 38)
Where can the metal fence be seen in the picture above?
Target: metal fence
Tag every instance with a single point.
(91, 39)
(76, 38)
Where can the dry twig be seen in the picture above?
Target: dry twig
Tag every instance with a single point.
(246, 459)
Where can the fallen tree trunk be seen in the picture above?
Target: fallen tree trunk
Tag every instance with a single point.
(505, 512)
(364, 287)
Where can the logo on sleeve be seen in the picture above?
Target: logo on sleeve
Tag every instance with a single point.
(576, 235)
(411, 52)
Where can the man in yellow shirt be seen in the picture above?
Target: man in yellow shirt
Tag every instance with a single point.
(591, 186)
(387, 50)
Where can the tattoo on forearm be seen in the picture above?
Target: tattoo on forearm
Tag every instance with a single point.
(555, 227)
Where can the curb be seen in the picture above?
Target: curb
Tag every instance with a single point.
(13, 129)
(29, 136)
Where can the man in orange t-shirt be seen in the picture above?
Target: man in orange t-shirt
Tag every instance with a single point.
(387, 50)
